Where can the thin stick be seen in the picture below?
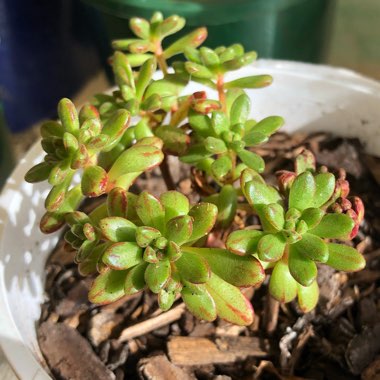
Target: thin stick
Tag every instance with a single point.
(166, 175)
(152, 324)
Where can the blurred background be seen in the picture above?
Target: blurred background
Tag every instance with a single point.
(51, 49)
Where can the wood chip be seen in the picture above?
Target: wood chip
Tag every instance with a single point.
(372, 372)
(69, 355)
(363, 348)
(193, 351)
(102, 325)
(160, 368)
(152, 323)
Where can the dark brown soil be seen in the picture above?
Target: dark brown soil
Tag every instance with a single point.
(340, 340)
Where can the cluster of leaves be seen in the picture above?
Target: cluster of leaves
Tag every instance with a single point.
(135, 241)
(297, 219)
(140, 241)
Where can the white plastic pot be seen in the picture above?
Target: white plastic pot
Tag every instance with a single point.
(309, 97)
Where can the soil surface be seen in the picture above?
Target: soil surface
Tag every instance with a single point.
(133, 339)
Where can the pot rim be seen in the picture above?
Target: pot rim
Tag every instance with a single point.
(19, 355)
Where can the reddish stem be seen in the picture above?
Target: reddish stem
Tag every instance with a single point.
(221, 93)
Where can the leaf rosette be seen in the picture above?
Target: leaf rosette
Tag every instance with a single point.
(140, 241)
(297, 226)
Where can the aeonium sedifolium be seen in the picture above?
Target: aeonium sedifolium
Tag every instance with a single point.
(132, 242)
(298, 221)
(140, 241)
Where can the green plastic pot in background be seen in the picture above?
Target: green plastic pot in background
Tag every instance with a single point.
(6, 158)
(286, 29)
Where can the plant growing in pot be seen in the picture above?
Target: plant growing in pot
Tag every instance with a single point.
(204, 252)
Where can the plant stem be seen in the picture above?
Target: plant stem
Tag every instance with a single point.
(221, 93)
(166, 174)
(162, 64)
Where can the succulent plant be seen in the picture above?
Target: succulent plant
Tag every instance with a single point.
(140, 241)
(131, 242)
(298, 221)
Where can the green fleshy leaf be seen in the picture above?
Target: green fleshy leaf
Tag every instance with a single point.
(312, 216)
(121, 256)
(94, 181)
(303, 269)
(215, 146)
(198, 71)
(255, 138)
(221, 167)
(231, 95)
(70, 142)
(269, 125)
(51, 222)
(194, 154)
(258, 193)
(312, 247)
(305, 162)
(308, 296)
(136, 60)
(170, 25)
(240, 109)
(240, 271)
(199, 301)
(153, 103)
(193, 267)
(38, 173)
(175, 204)
(271, 217)
(204, 217)
(343, 257)
(171, 85)
(252, 160)
(282, 285)
(150, 255)
(227, 205)
(200, 123)
(244, 242)
(135, 281)
(156, 275)
(165, 299)
(117, 229)
(193, 39)
(108, 287)
(209, 57)
(175, 139)
(57, 195)
(324, 188)
(115, 127)
(255, 81)
(271, 247)
(150, 211)
(51, 128)
(145, 76)
(140, 47)
(334, 226)
(302, 192)
(140, 27)
(179, 229)
(117, 202)
(230, 303)
(173, 251)
(89, 265)
(219, 122)
(192, 54)
(68, 115)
